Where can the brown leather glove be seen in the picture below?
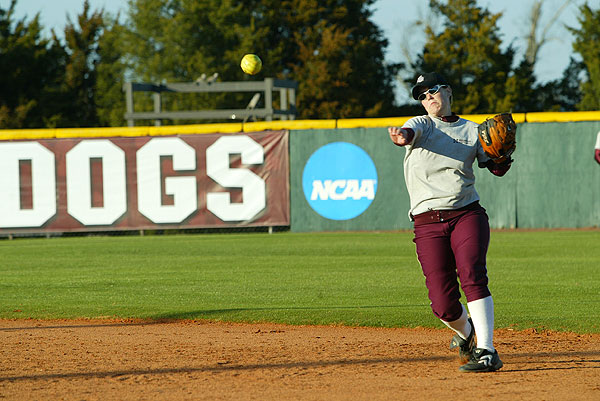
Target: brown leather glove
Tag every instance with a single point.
(497, 136)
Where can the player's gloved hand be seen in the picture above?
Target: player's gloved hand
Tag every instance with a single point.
(497, 136)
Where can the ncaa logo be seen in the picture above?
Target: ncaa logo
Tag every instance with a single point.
(339, 181)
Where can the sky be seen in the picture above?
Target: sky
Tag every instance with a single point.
(396, 18)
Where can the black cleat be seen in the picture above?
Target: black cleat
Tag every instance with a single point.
(483, 360)
(465, 347)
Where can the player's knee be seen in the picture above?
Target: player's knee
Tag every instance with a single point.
(447, 311)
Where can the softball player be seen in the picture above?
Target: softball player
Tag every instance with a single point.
(451, 228)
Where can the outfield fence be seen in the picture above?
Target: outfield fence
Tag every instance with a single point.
(306, 175)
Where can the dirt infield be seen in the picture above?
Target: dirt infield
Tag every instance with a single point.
(129, 360)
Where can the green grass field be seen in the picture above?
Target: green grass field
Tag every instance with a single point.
(539, 279)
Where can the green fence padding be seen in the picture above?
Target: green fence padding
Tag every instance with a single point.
(389, 209)
(558, 180)
(498, 196)
(553, 183)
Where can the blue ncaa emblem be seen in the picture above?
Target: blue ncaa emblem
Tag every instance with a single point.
(339, 181)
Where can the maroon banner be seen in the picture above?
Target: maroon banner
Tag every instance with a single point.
(106, 184)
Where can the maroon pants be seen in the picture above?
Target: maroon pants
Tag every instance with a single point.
(449, 248)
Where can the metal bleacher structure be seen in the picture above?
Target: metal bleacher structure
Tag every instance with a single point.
(286, 111)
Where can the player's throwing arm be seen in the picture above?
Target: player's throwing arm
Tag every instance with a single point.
(400, 136)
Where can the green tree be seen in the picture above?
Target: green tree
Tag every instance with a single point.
(31, 71)
(468, 53)
(182, 40)
(45, 83)
(111, 69)
(562, 94)
(330, 47)
(337, 55)
(587, 37)
(78, 89)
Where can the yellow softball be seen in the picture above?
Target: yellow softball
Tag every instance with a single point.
(251, 64)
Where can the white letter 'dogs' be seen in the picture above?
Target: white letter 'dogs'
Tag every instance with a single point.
(79, 184)
(43, 182)
(253, 187)
(183, 189)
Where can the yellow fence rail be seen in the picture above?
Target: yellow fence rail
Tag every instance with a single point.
(235, 127)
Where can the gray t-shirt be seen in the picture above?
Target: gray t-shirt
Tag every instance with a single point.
(438, 165)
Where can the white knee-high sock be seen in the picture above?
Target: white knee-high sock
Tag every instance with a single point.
(461, 326)
(482, 314)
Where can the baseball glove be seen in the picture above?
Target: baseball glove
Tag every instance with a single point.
(498, 137)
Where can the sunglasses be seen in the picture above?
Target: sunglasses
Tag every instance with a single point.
(431, 91)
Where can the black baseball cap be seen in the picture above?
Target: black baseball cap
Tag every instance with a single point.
(425, 81)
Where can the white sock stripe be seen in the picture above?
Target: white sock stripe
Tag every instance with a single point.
(482, 314)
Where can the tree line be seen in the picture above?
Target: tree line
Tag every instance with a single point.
(332, 49)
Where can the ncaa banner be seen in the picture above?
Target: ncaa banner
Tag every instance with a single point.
(106, 184)
(347, 179)
(339, 181)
